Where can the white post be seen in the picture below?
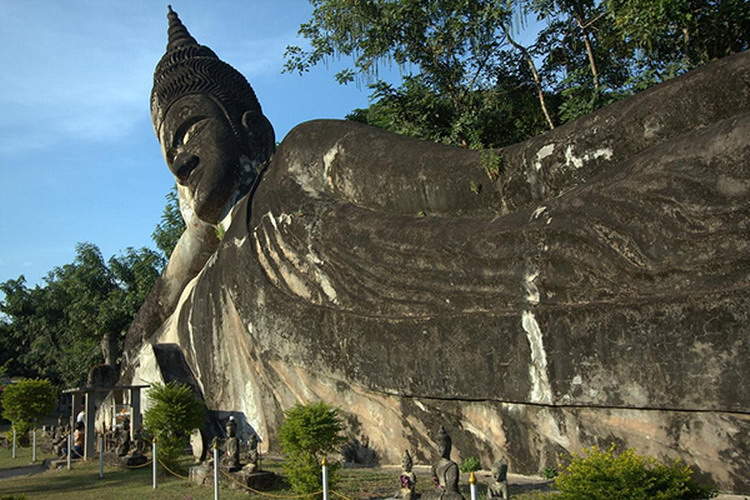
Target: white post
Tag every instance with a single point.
(473, 485)
(14, 442)
(101, 457)
(153, 458)
(33, 445)
(216, 473)
(324, 468)
(69, 449)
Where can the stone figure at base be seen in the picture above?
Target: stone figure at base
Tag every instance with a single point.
(445, 473)
(231, 458)
(407, 478)
(252, 454)
(498, 487)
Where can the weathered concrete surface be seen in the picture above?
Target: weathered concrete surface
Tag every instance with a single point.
(597, 292)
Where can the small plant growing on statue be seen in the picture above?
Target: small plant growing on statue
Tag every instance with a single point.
(25, 402)
(475, 187)
(492, 163)
(627, 476)
(308, 434)
(174, 413)
(549, 473)
(469, 464)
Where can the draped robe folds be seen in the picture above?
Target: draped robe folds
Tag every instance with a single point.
(595, 288)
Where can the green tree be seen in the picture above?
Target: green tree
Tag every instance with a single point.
(470, 82)
(25, 402)
(173, 414)
(308, 434)
(460, 62)
(54, 330)
(168, 231)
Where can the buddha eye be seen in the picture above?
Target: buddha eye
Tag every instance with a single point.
(188, 129)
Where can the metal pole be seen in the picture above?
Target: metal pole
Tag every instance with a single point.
(14, 442)
(33, 445)
(101, 457)
(473, 485)
(216, 472)
(153, 457)
(324, 467)
(69, 450)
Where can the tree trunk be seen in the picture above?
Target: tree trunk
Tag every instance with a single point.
(535, 76)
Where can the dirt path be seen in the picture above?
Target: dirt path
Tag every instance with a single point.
(25, 470)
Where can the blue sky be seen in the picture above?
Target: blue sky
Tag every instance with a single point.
(78, 157)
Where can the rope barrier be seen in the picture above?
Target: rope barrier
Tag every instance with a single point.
(265, 494)
(139, 466)
(340, 495)
(173, 472)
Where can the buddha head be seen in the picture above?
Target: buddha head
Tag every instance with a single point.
(213, 134)
(444, 443)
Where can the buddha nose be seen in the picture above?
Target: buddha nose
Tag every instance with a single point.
(183, 164)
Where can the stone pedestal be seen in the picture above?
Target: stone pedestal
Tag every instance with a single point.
(201, 474)
(133, 460)
(257, 480)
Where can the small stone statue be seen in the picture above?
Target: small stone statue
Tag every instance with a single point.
(498, 488)
(445, 472)
(232, 447)
(138, 446)
(407, 478)
(252, 454)
(135, 456)
(123, 442)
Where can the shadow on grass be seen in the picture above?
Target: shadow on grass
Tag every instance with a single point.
(77, 480)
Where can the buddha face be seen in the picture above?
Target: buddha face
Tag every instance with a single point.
(203, 153)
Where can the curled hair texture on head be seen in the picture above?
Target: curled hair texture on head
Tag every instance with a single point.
(189, 68)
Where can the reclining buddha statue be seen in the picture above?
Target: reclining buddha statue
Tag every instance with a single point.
(591, 289)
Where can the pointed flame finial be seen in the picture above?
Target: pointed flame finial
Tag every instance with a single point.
(179, 36)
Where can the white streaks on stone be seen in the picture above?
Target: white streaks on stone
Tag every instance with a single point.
(420, 405)
(542, 154)
(539, 211)
(541, 390)
(571, 160)
(328, 160)
(532, 292)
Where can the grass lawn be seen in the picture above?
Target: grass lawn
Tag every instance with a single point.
(83, 483)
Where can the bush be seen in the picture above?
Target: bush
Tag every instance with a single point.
(28, 400)
(469, 464)
(174, 413)
(23, 438)
(308, 434)
(598, 474)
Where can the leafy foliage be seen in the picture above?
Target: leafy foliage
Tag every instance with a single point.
(173, 414)
(604, 474)
(54, 330)
(172, 225)
(469, 464)
(308, 434)
(470, 83)
(28, 400)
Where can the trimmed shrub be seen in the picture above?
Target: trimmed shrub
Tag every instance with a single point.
(23, 433)
(24, 403)
(469, 464)
(597, 474)
(174, 413)
(308, 434)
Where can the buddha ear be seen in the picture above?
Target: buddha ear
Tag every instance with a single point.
(259, 132)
